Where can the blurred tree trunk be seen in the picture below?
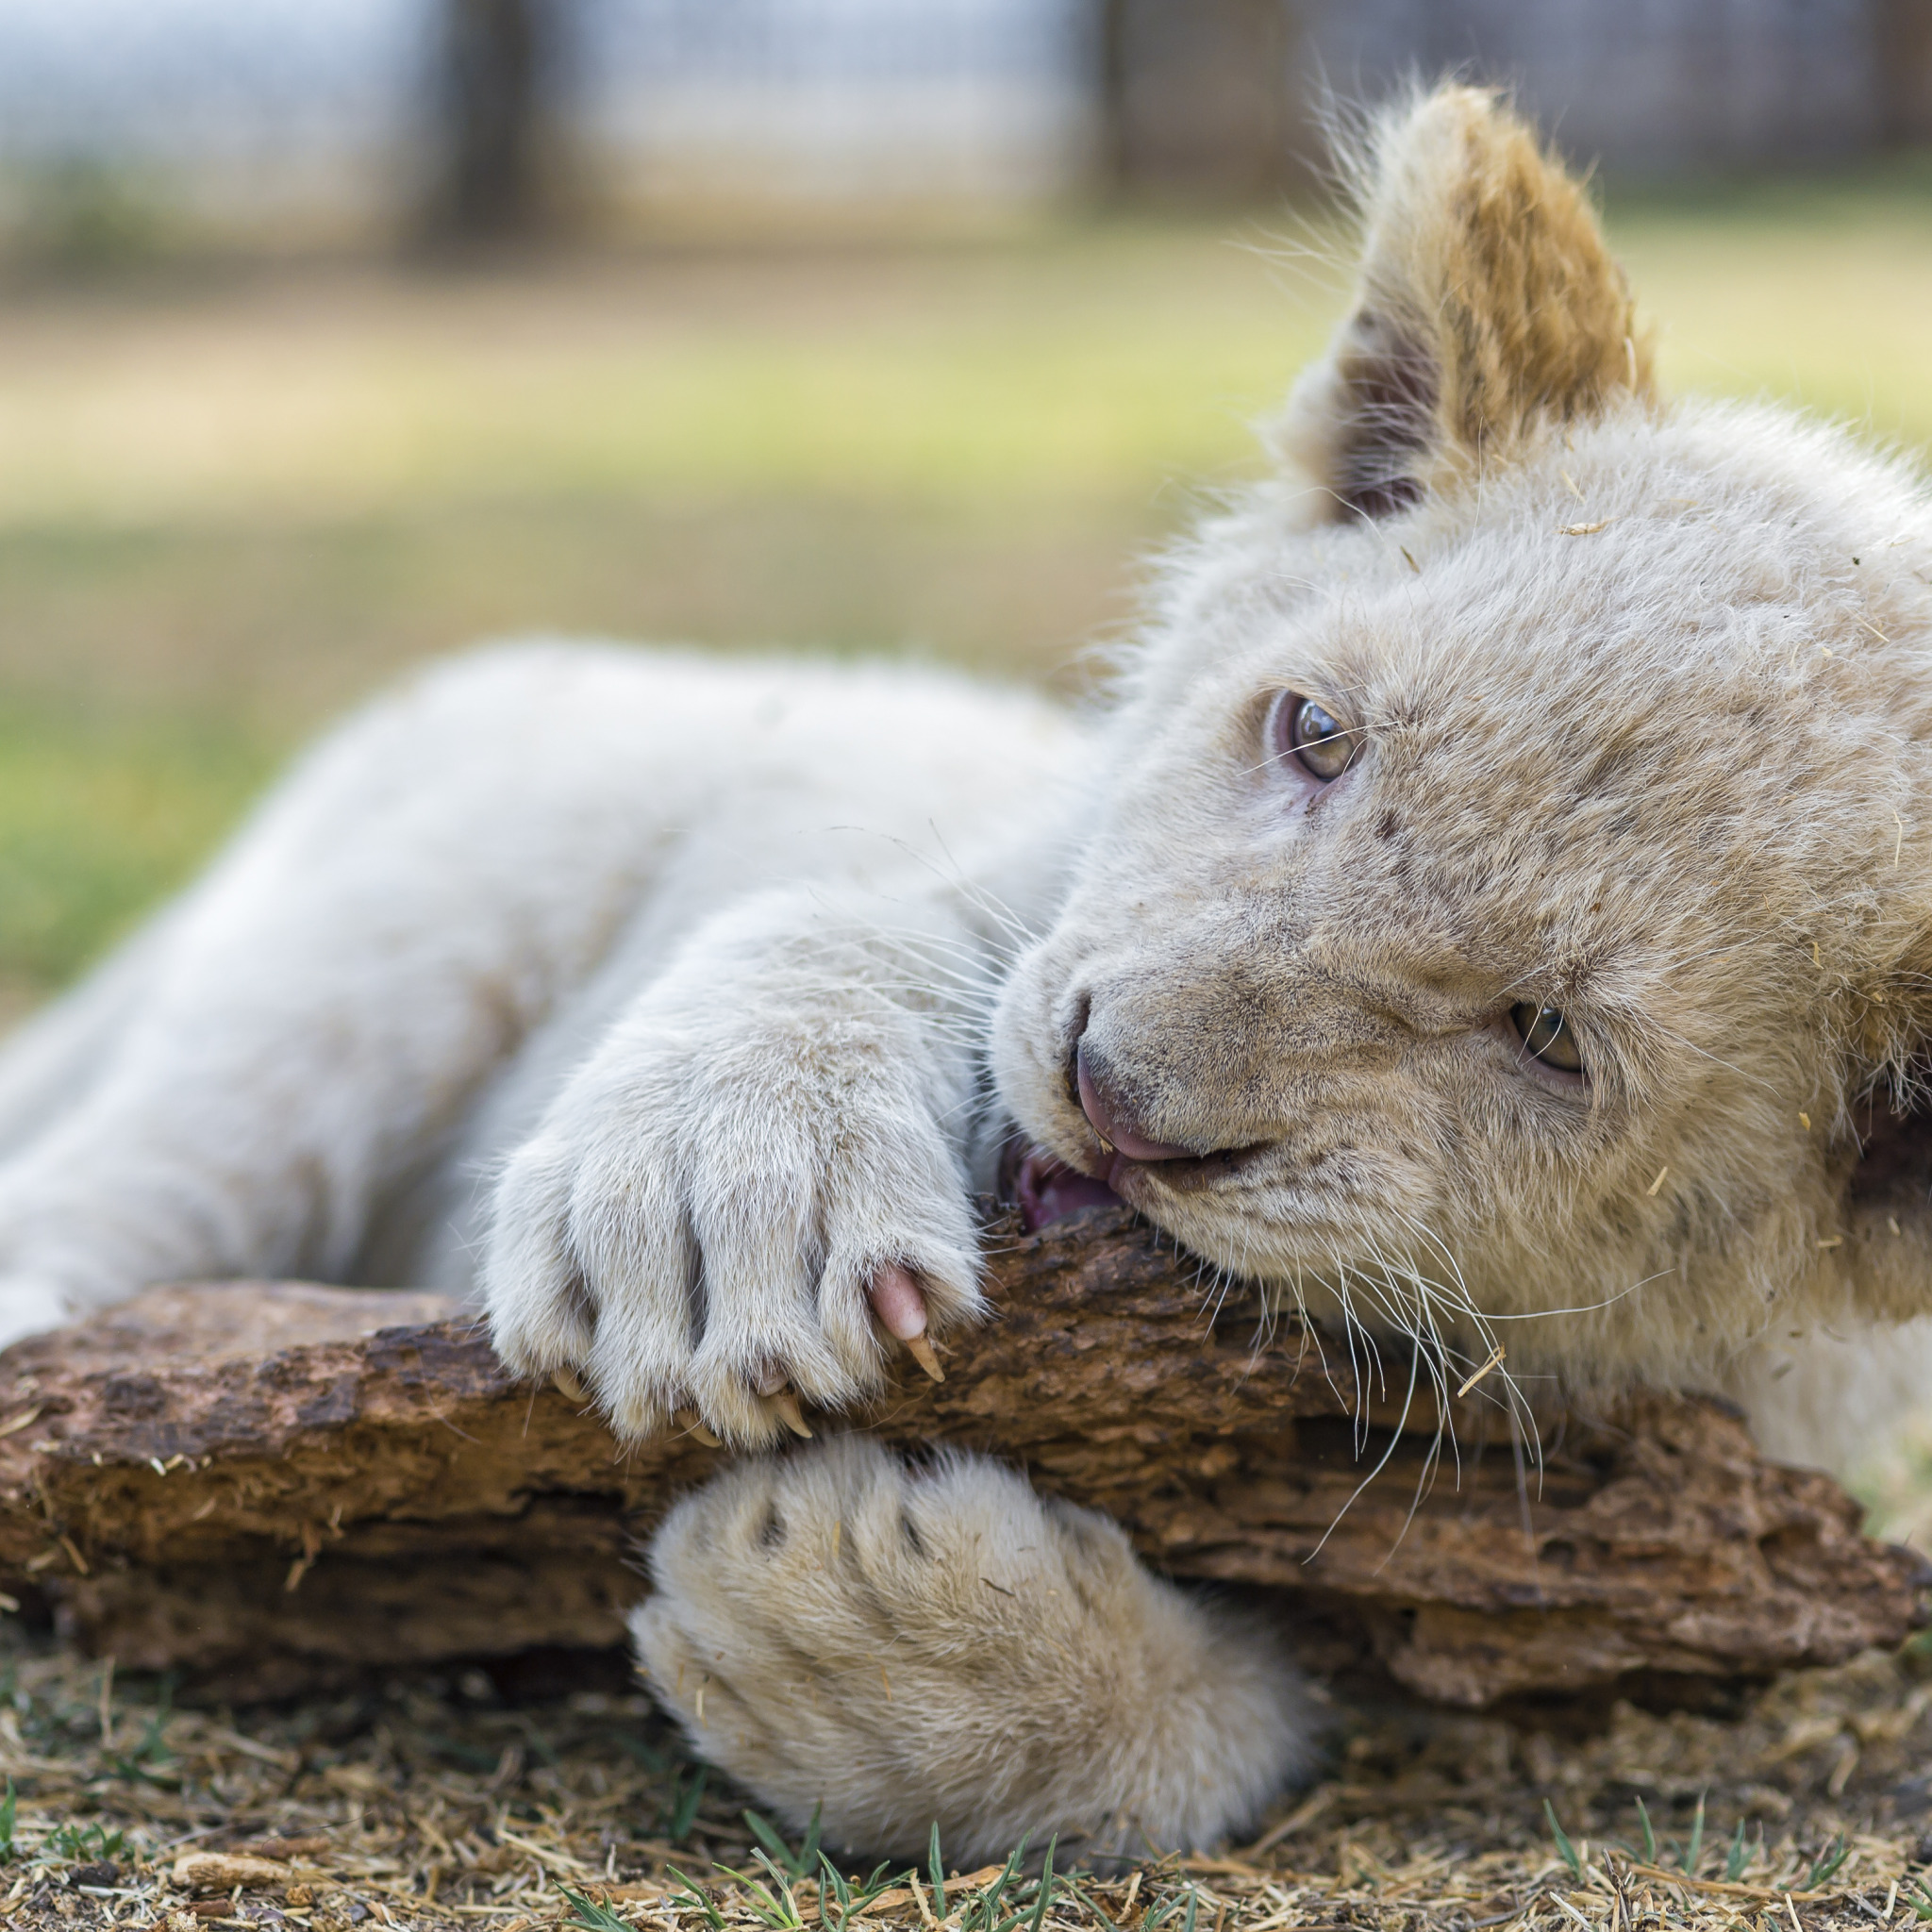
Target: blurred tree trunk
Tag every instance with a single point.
(491, 89)
(1195, 96)
(1111, 50)
(1905, 66)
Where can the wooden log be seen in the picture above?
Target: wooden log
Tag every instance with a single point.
(265, 1486)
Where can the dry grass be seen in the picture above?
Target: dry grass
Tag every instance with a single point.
(433, 1802)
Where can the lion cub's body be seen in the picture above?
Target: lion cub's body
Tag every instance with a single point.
(1559, 1005)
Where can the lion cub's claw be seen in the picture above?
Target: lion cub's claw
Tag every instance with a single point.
(702, 1225)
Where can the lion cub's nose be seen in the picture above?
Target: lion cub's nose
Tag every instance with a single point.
(1111, 1121)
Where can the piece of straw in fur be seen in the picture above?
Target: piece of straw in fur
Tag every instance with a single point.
(1496, 1358)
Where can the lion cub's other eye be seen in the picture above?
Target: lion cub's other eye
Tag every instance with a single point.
(1313, 738)
(1547, 1036)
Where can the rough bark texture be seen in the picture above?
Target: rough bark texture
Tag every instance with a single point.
(264, 1486)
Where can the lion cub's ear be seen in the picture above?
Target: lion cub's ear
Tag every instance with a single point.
(1487, 304)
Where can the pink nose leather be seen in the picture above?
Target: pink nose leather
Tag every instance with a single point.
(1113, 1128)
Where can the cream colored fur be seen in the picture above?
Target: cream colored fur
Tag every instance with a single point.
(679, 1010)
(962, 1652)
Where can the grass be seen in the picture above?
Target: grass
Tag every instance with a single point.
(462, 1799)
(100, 814)
(228, 506)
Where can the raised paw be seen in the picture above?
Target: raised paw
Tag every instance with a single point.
(903, 1646)
(720, 1216)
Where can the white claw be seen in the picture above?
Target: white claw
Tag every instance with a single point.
(784, 1404)
(686, 1418)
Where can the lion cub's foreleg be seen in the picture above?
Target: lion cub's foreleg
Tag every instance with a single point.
(905, 1646)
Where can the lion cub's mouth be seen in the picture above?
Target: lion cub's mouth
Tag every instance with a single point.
(1047, 1189)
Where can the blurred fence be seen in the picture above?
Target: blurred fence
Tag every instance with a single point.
(288, 122)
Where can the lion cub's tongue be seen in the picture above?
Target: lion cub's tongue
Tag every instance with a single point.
(1049, 1189)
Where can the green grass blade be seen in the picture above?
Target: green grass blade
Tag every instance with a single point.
(1733, 1863)
(780, 1917)
(1697, 1851)
(780, 1877)
(685, 1800)
(1563, 1839)
(767, 1835)
(1829, 1861)
(1649, 1835)
(841, 1890)
(989, 1899)
(937, 1866)
(1045, 1885)
(691, 1895)
(590, 1914)
(881, 1881)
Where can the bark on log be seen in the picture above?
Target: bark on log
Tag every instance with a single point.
(267, 1485)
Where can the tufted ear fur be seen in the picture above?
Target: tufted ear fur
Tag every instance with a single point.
(1486, 304)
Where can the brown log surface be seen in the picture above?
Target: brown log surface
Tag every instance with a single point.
(264, 1484)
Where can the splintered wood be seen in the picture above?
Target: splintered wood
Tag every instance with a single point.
(268, 1487)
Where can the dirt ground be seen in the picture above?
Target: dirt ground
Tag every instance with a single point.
(513, 1802)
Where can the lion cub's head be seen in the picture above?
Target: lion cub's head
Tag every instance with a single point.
(1509, 893)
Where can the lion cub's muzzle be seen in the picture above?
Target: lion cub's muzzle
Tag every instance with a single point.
(1127, 1161)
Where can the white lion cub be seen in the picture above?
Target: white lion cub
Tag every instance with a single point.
(1501, 891)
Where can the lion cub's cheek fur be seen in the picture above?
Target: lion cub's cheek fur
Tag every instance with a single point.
(1643, 742)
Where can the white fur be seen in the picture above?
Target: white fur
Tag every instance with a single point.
(668, 1003)
(905, 1648)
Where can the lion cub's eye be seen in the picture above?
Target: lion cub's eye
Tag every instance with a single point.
(1313, 738)
(1547, 1036)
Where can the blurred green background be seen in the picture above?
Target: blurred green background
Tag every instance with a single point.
(229, 504)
